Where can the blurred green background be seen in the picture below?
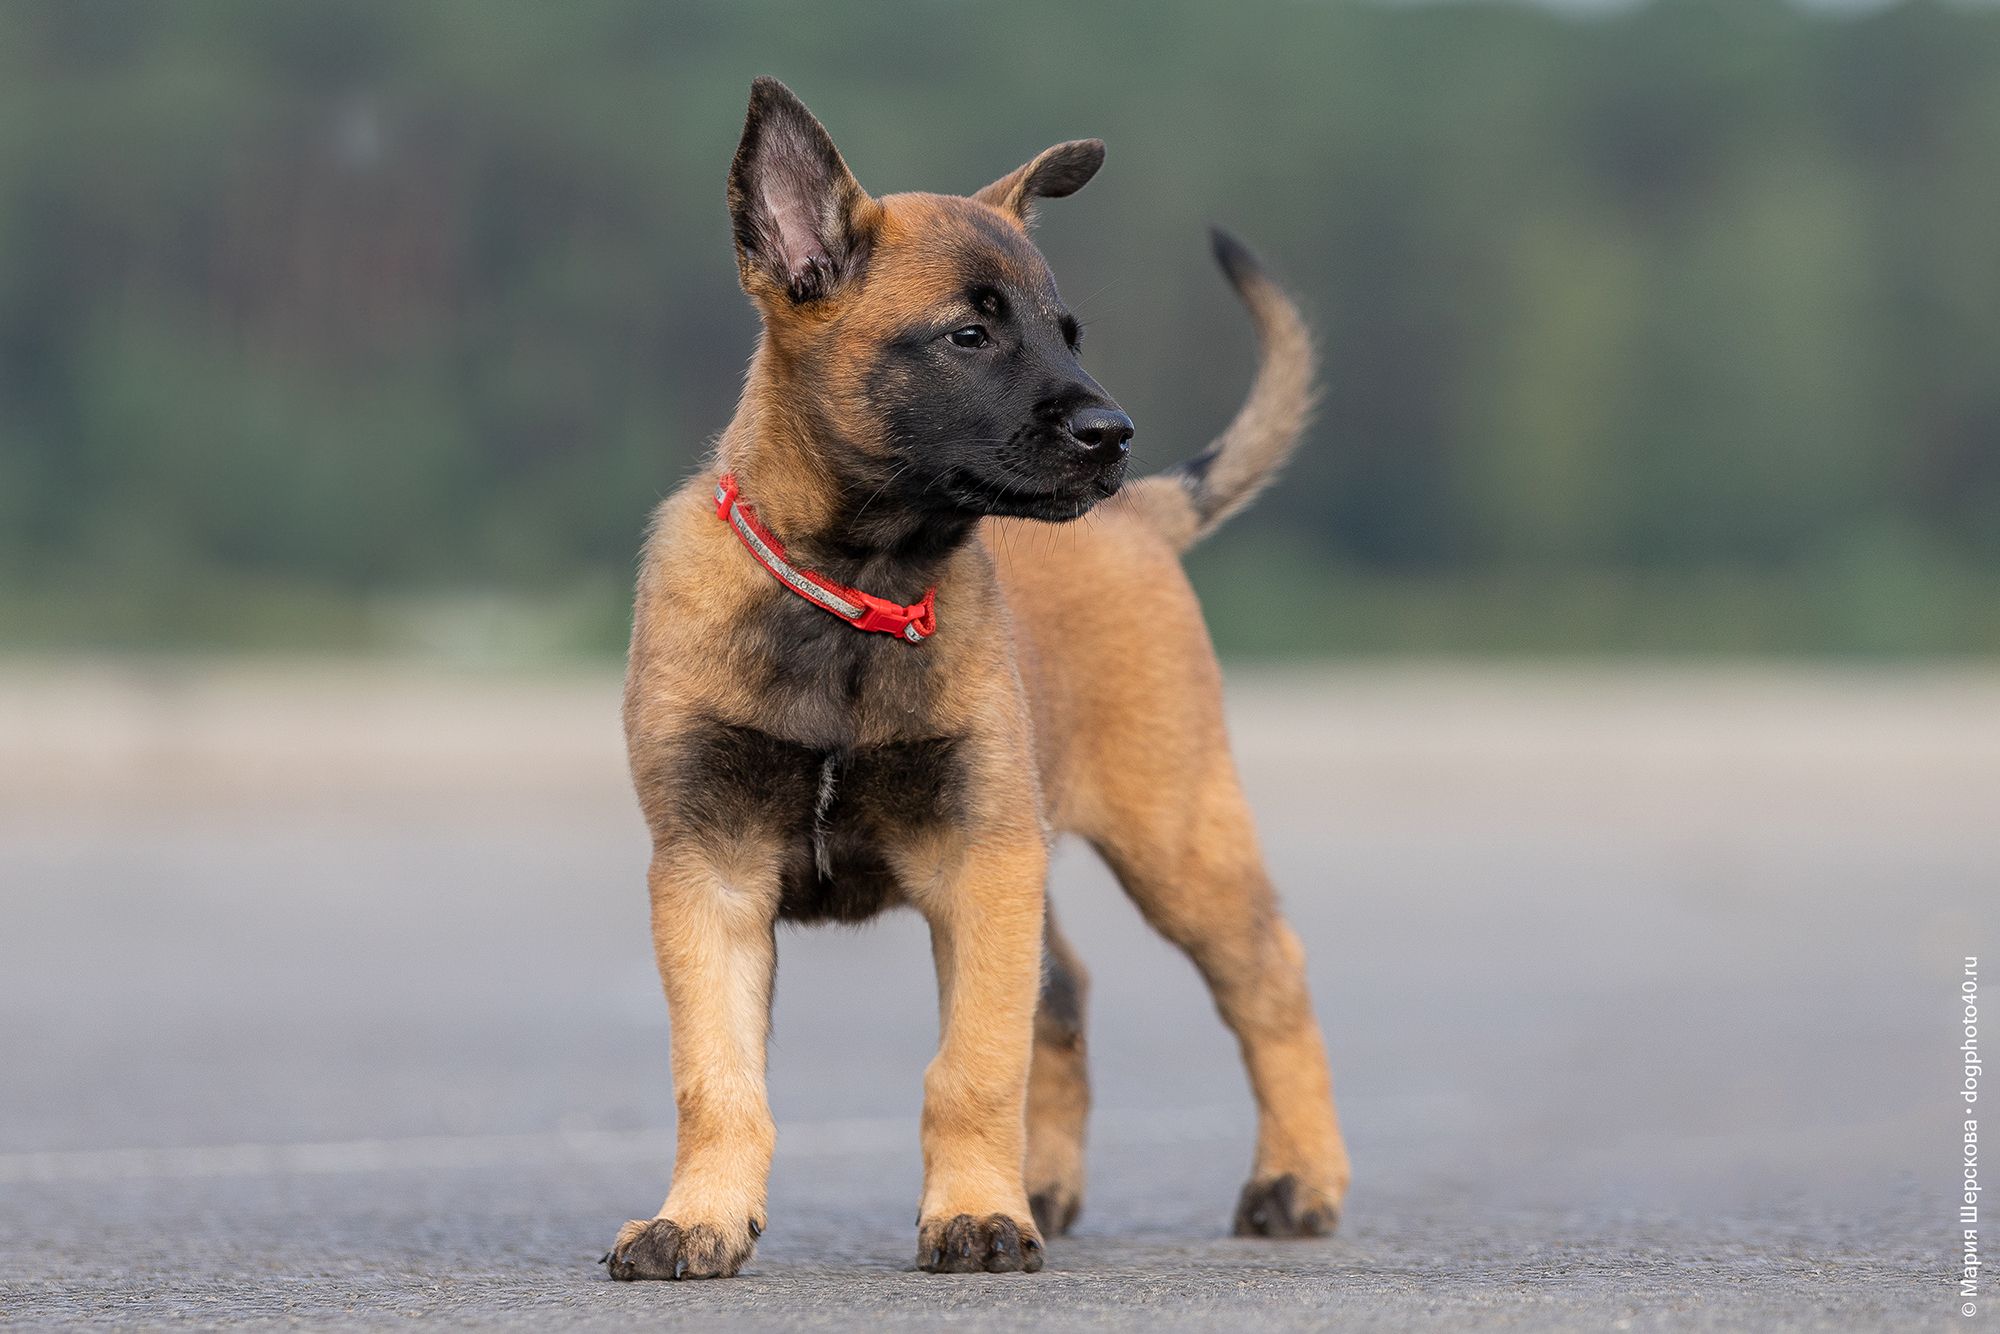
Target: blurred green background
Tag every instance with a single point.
(1661, 328)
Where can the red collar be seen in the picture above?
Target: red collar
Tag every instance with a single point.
(863, 611)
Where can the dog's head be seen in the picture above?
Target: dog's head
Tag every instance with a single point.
(921, 336)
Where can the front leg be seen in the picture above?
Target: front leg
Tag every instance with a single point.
(986, 934)
(713, 934)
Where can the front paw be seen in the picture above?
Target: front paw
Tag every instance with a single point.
(995, 1244)
(663, 1248)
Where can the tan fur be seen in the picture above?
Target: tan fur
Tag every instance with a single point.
(1251, 450)
(1076, 680)
(1058, 1089)
(1134, 758)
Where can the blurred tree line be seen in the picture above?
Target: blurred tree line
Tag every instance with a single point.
(352, 324)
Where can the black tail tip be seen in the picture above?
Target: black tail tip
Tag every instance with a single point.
(1234, 257)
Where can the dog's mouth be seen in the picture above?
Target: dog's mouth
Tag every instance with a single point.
(1053, 505)
(1057, 502)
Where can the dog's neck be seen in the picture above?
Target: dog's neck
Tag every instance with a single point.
(830, 503)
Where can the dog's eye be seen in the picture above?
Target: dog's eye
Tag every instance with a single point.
(972, 335)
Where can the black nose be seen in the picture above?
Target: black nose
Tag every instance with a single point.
(1105, 432)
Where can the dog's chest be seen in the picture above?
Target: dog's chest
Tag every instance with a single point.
(814, 676)
(833, 814)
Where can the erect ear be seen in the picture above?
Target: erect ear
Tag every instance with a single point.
(796, 209)
(1055, 172)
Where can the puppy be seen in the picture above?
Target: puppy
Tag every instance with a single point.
(850, 690)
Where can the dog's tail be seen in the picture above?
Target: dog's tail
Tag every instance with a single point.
(1189, 502)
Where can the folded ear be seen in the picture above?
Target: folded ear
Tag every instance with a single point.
(796, 209)
(1055, 172)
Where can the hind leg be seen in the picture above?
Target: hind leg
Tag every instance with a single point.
(1199, 878)
(1058, 1089)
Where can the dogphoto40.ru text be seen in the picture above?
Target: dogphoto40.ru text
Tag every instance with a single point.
(1968, 1209)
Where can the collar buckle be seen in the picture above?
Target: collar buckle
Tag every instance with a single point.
(864, 611)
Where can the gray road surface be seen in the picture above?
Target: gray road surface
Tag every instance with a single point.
(326, 998)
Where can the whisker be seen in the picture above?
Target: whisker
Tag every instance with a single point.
(884, 487)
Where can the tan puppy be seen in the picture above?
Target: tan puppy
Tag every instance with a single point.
(850, 690)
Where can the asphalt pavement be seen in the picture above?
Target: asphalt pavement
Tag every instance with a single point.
(326, 999)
